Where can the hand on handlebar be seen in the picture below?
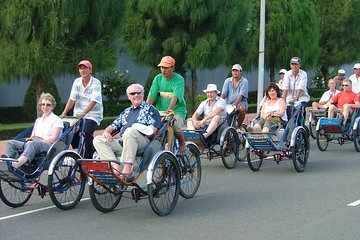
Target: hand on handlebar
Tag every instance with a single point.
(170, 112)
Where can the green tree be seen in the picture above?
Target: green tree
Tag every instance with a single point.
(339, 38)
(41, 39)
(198, 34)
(292, 29)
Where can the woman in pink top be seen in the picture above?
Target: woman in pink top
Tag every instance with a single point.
(273, 111)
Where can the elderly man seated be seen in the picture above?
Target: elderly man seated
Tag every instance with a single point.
(326, 97)
(213, 109)
(346, 101)
(131, 137)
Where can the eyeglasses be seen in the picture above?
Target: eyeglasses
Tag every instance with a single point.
(345, 85)
(45, 104)
(134, 93)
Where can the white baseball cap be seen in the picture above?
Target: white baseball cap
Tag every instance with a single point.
(357, 66)
(237, 67)
(282, 71)
(341, 71)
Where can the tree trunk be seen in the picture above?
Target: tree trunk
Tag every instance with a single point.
(272, 75)
(39, 86)
(325, 73)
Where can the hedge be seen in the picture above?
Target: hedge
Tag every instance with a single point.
(11, 115)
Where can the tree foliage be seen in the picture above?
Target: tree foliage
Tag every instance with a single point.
(339, 39)
(197, 33)
(292, 29)
(41, 39)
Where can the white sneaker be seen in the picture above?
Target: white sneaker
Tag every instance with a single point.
(69, 161)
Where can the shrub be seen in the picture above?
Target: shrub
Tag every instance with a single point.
(114, 85)
(114, 109)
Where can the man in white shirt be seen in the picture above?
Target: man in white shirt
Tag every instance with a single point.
(325, 98)
(86, 99)
(355, 79)
(295, 85)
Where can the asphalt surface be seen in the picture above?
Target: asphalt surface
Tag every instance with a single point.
(273, 203)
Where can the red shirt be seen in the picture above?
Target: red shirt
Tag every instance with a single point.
(345, 97)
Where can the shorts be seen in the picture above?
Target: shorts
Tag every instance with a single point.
(179, 122)
(272, 123)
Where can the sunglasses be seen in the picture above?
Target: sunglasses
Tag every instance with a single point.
(345, 85)
(134, 93)
(45, 104)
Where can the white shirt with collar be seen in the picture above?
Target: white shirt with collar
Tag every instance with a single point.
(292, 83)
(328, 95)
(84, 95)
(355, 84)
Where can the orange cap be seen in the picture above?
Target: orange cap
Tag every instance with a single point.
(167, 61)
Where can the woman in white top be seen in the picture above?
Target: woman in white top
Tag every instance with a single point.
(47, 130)
(273, 111)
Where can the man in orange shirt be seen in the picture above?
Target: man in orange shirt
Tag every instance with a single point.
(346, 100)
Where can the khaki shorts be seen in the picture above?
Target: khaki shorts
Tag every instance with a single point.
(179, 122)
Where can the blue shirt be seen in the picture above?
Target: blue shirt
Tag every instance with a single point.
(205, 108)
(231, 93)
(145, 114)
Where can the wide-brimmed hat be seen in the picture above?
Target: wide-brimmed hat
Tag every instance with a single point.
(144, 129)
(211, 88)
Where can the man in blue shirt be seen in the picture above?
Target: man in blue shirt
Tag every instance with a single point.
(130, 138)
(235, 92)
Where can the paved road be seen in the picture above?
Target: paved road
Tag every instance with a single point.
(274, 203)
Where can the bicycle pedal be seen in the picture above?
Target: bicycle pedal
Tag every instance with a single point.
(277, 158)
(135, 193)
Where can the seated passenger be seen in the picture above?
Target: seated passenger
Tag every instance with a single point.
(129, 139)
(47, 130)
(346, 101)
(325, 98)
(273, 111)
(213, 109)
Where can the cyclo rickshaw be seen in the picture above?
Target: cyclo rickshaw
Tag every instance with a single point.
(66, 182)
(168, 174)
(225, 141)
(331, 130)
(289, 143)
(314, 116)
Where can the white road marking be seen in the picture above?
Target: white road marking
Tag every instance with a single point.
(33, 211)
(354, 204)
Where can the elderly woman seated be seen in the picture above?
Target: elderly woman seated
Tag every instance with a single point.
(213, 109)
(47, 130)
(273, 111)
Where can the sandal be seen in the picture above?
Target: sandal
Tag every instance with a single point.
(127, 177)
(182, 152)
